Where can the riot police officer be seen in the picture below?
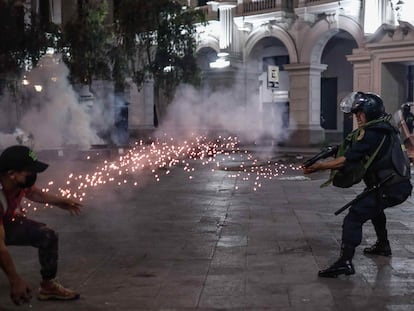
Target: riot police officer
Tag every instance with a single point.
(375, 149)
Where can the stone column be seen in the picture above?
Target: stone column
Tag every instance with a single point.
(56, 11)
(305, 104)
(149, 104)
(141, 110)
(410, 84)
(361, 60)
(226, 25)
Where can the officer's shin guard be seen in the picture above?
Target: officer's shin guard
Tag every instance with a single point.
(342, 266)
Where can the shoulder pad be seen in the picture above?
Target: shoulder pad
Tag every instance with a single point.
(383, 126)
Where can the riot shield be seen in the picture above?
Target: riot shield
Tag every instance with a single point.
(406, 137)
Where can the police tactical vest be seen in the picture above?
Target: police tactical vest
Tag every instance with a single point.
(394, 161)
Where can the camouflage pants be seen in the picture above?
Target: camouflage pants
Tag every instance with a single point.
(22, 231)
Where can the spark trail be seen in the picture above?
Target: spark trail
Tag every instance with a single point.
(161, 157)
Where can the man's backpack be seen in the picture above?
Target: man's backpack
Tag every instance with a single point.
(397, 155)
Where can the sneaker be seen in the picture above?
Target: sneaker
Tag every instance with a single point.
(379, 248)
(52, 290)
(336, 269)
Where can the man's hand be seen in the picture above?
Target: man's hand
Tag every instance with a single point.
(73, 207)
(325, 165)
(20, 292)
(37, 195)
(311, 169)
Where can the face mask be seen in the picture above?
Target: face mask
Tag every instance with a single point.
(30, 181)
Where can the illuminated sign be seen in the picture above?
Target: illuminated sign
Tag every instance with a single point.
(273, 77)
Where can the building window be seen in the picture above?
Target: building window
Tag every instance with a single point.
(404, 10)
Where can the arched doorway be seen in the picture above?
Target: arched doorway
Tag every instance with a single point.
(336, 82)
(265, 64)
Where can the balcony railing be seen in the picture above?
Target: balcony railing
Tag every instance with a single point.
(314, 2)
(252, 7)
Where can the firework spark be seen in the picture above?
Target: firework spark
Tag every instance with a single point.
(159, 158)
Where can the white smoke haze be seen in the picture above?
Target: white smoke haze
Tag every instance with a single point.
(7, 140)
(223, 112)
(53, 116)
(102, 113)
(56, 119)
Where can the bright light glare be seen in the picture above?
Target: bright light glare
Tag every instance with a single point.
(222, 54)
(372, 17)
(25, 81)
(220, 63)
(407, 11)
(168, 68)
(50, 51)
(38, 88)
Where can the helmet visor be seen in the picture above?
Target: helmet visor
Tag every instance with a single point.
(347, 102)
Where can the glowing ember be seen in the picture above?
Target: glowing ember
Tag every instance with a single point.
(160, 157)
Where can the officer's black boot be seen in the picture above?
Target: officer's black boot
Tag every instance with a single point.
(381, 247)
(342, 266)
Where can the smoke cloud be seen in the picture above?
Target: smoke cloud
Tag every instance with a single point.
(49, 110)
(54, 117)
(224, 112)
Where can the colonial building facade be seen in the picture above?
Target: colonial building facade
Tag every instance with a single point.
(299, 55)
(321, 50)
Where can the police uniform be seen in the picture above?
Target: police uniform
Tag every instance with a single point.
(371, 207)
(374, 151)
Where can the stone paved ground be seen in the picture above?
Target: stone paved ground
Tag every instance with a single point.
(213, 243)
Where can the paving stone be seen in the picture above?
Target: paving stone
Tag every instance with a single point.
(213, 243)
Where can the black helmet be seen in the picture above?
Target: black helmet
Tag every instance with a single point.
(369, 103)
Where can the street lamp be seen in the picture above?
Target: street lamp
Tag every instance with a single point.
(38, 88)
(221, 61)
(25, 81)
